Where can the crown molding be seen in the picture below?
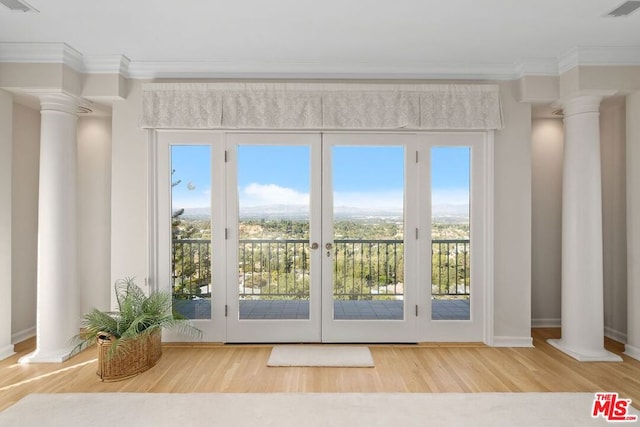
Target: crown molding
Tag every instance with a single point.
(599, 56)
(537, 67)
(62, 53)
(120, 64)
(298, 70)
(112, 64)
(42, 53)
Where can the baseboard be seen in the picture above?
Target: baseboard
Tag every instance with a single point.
(615, 335)
(6, 351)
(512, 342)
(23, 335)
(557, 323)
(632, 351)
(546, 323)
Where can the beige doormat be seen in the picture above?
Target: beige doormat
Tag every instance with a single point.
(338, 356)
(305, 409)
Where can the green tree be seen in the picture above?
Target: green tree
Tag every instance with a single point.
(191, 261)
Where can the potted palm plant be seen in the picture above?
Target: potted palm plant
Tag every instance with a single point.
(129, 339)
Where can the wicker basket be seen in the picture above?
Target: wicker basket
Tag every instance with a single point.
(140, 355)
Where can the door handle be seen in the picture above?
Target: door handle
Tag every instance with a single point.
(315, 245)
(329, 246)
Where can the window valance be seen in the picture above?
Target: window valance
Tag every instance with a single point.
(320, 106)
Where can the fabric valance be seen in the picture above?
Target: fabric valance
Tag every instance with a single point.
(320, 106)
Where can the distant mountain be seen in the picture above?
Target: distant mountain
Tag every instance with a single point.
(293, 212)
(196, 213)
(442, 213)
(451, 210)
(451, 214)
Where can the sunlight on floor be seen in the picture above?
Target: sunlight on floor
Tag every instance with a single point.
(39, 377)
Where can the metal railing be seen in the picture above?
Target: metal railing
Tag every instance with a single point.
(450, 268)
(191, 268)
(279, 269)
(274, 268)
(368, 269)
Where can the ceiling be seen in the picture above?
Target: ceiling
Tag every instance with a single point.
(326, 38)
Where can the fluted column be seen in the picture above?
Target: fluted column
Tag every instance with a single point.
(632, 347)
(582, 271)
(58, 309)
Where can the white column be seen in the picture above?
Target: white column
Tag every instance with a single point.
(633, 226)
(582, 278)
(6, 142)
(58, 310)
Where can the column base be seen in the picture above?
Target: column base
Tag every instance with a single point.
(632, 351)
(52, 356)
(600, 356)
(6, 351)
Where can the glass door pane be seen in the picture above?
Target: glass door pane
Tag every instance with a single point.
(368, 232)
(450, 233)
(274, 267)
(191, 251)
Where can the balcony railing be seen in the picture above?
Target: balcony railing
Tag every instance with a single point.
(279, 269)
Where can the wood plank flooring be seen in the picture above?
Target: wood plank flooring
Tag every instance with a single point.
(399, 368)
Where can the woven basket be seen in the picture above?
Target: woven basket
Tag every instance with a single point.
(139, 355)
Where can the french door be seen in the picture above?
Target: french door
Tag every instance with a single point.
(454, 253)
(316, 231)
(368, 249)
(310, 237)
(273, 238)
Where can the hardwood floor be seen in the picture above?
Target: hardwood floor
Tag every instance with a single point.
(399, 368)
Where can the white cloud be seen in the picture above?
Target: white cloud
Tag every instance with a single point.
(256, 194)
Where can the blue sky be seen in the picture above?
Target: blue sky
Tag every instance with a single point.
(192, 166)
(450, 175)
(363, 176)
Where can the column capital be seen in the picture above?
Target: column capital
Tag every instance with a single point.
(581, 104)
(59, 102)
(55, 100)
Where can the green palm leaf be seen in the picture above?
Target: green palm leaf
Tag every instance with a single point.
(137, 315)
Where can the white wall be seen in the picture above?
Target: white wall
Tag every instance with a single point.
(633, 224)
(512, 222)
(26, 164)
(129, 189)
(6, 142)
(512, 208)
(94, 212)
(546, 258)
(612, 149)
(517, 293)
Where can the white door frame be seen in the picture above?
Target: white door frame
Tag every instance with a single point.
(273, 330)
(356, 330)
(215, 330)
(479, 328)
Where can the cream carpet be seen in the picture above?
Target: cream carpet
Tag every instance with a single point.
(321, 355)
(303, 409)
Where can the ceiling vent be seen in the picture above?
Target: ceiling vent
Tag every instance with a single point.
(18, 6)
(625, 9)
